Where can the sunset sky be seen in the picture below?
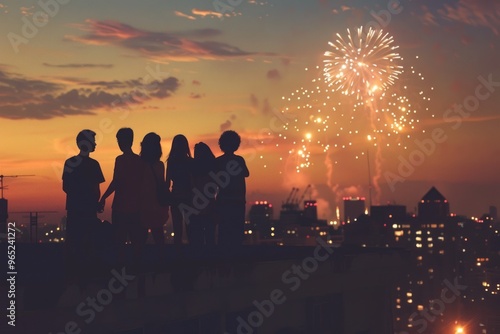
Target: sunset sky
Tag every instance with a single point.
(199, 68)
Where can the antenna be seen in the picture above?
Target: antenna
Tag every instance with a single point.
(369, 180)
(1, 181)
(34, 215)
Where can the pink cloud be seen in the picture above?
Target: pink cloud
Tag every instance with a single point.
(190, 45)
(204, 13)
(477, 13)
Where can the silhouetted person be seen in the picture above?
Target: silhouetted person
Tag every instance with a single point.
(126, 184)
(179, 178)
(201, 225)
(152, 215)
(81, 178)
(231, 171)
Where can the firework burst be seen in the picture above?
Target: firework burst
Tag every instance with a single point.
(352, 103)
(362, 64)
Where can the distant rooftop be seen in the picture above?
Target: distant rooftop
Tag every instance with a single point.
(433, 195)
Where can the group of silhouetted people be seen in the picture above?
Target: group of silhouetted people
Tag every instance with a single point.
(206, 193)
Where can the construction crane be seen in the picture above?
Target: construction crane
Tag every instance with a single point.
(304, 194)
(2, 187)
(293, 199)
(289, 204)
(292, 193)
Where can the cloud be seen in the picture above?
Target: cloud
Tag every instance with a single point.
(285, 61)
(27, 11)
(343, 8)
(266, 107)
(427, 17)
(180, 14)
(273, 74)
(189, 45)
(195, 96)
(24, 98)
(79, 65)
(254, 101)
(203, 13)
(477, 13)
(225, 126)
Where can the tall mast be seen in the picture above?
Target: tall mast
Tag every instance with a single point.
(369, 180)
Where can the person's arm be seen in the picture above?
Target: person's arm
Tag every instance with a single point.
(97, 190)
(67, 179)
(246, 172)
(108, 192)
(66, 187)
(168, 178)
(159, 169)
(112, 186)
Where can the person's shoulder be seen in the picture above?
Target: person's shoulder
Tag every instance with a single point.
(128, 157)
(92, 160)
(71, 164)
(239, 157)
(220, 159)
(71, 160)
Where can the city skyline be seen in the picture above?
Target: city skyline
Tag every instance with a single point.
(197, 69)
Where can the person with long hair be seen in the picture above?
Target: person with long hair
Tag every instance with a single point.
(201, 225)
(179, 179)
(152, 214)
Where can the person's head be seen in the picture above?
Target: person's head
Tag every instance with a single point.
(203, 157)
(229, 141)
(151, 148)
(202, 152)
(85, 140)
(125, 137)
(180, 148)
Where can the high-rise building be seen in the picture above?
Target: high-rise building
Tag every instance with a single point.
(260, 216)
(388, 213)
(3, 215)
(310, 212)
(493, 212)
(433, 206)
(353, 207)
(261, 211)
